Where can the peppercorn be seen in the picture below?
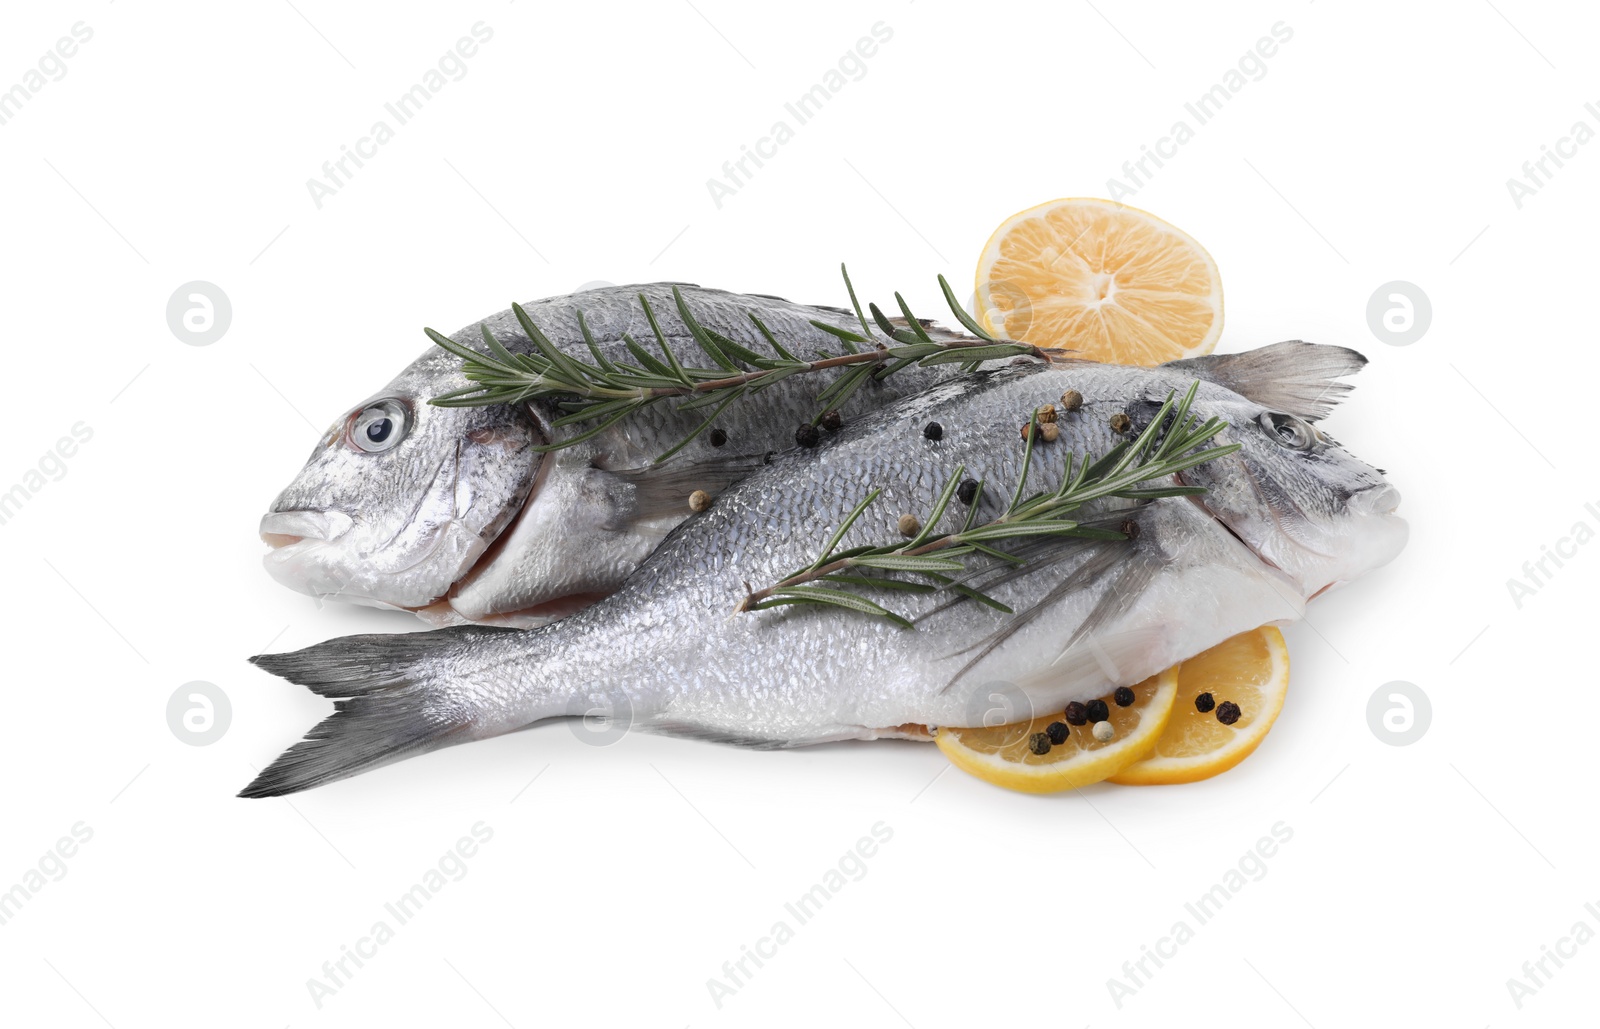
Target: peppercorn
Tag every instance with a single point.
(832, 422)
(699, 500)
(1076, 713)
(1097, 710)
(967, 491)
(1057, 731)
(1046, 414)
(1071, 400)
(718, 437)
(1049, 430)
(1129, 528)
(933, 431)
(1103, 731)
(1204, 702)
(1039, 743)
(807, 436)
(1228, 712)
(1027, 430)
(1120, 422)
(909, 526)
(1123, 696)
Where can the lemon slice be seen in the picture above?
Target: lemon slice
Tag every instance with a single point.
(1002, 755)
(1103, 279)
(1250, 670)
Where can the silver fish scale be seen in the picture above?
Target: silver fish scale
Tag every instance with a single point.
(666, 647)
(752, 428)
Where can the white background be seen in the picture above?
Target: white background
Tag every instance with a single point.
(177, 147)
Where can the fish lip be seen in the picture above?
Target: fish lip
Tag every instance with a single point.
(280, 529)
(1380, 499)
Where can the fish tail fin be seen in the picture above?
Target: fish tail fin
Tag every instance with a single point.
(391, 704)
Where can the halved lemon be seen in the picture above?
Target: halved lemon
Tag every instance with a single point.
(1250, 670)
(1002, 754)
(1103, 279)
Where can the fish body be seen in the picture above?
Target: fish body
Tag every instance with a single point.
(1285, 517)
(454, 514)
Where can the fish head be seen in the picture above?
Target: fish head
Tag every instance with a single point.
(1300, 501)
(401, 498)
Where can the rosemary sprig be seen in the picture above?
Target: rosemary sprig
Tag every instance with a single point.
(1159, 451)
(602, 393)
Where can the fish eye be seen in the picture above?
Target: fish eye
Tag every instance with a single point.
(1288, 430)
(379, 426)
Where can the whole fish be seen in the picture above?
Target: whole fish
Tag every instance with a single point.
(1286, 516)
(452, 513)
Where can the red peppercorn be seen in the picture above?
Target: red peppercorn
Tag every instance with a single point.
(1076, 713)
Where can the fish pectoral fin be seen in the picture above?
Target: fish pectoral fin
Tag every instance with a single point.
(1119, 658)
(1122, 569)
(1294, 377)
(663, 490)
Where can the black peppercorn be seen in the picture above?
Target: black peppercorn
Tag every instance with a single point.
(1097, 710)
(1129, 528)
(807, 436)
(967, 491)
(1228, 712)
(933, 431)
(1123, 696)
(1039, 743)
(1057, 731)
(832, 422)
(1204, 702)
(1076, 713)
(717, 437)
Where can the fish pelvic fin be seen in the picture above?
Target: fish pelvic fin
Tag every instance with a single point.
(389, 706)
(1294, 377)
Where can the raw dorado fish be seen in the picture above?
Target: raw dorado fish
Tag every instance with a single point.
(1285, 517)
(451, 513)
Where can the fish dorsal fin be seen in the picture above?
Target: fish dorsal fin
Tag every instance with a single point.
(1294, 377)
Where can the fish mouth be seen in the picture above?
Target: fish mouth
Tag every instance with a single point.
(1382, 500)
(280, 529)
